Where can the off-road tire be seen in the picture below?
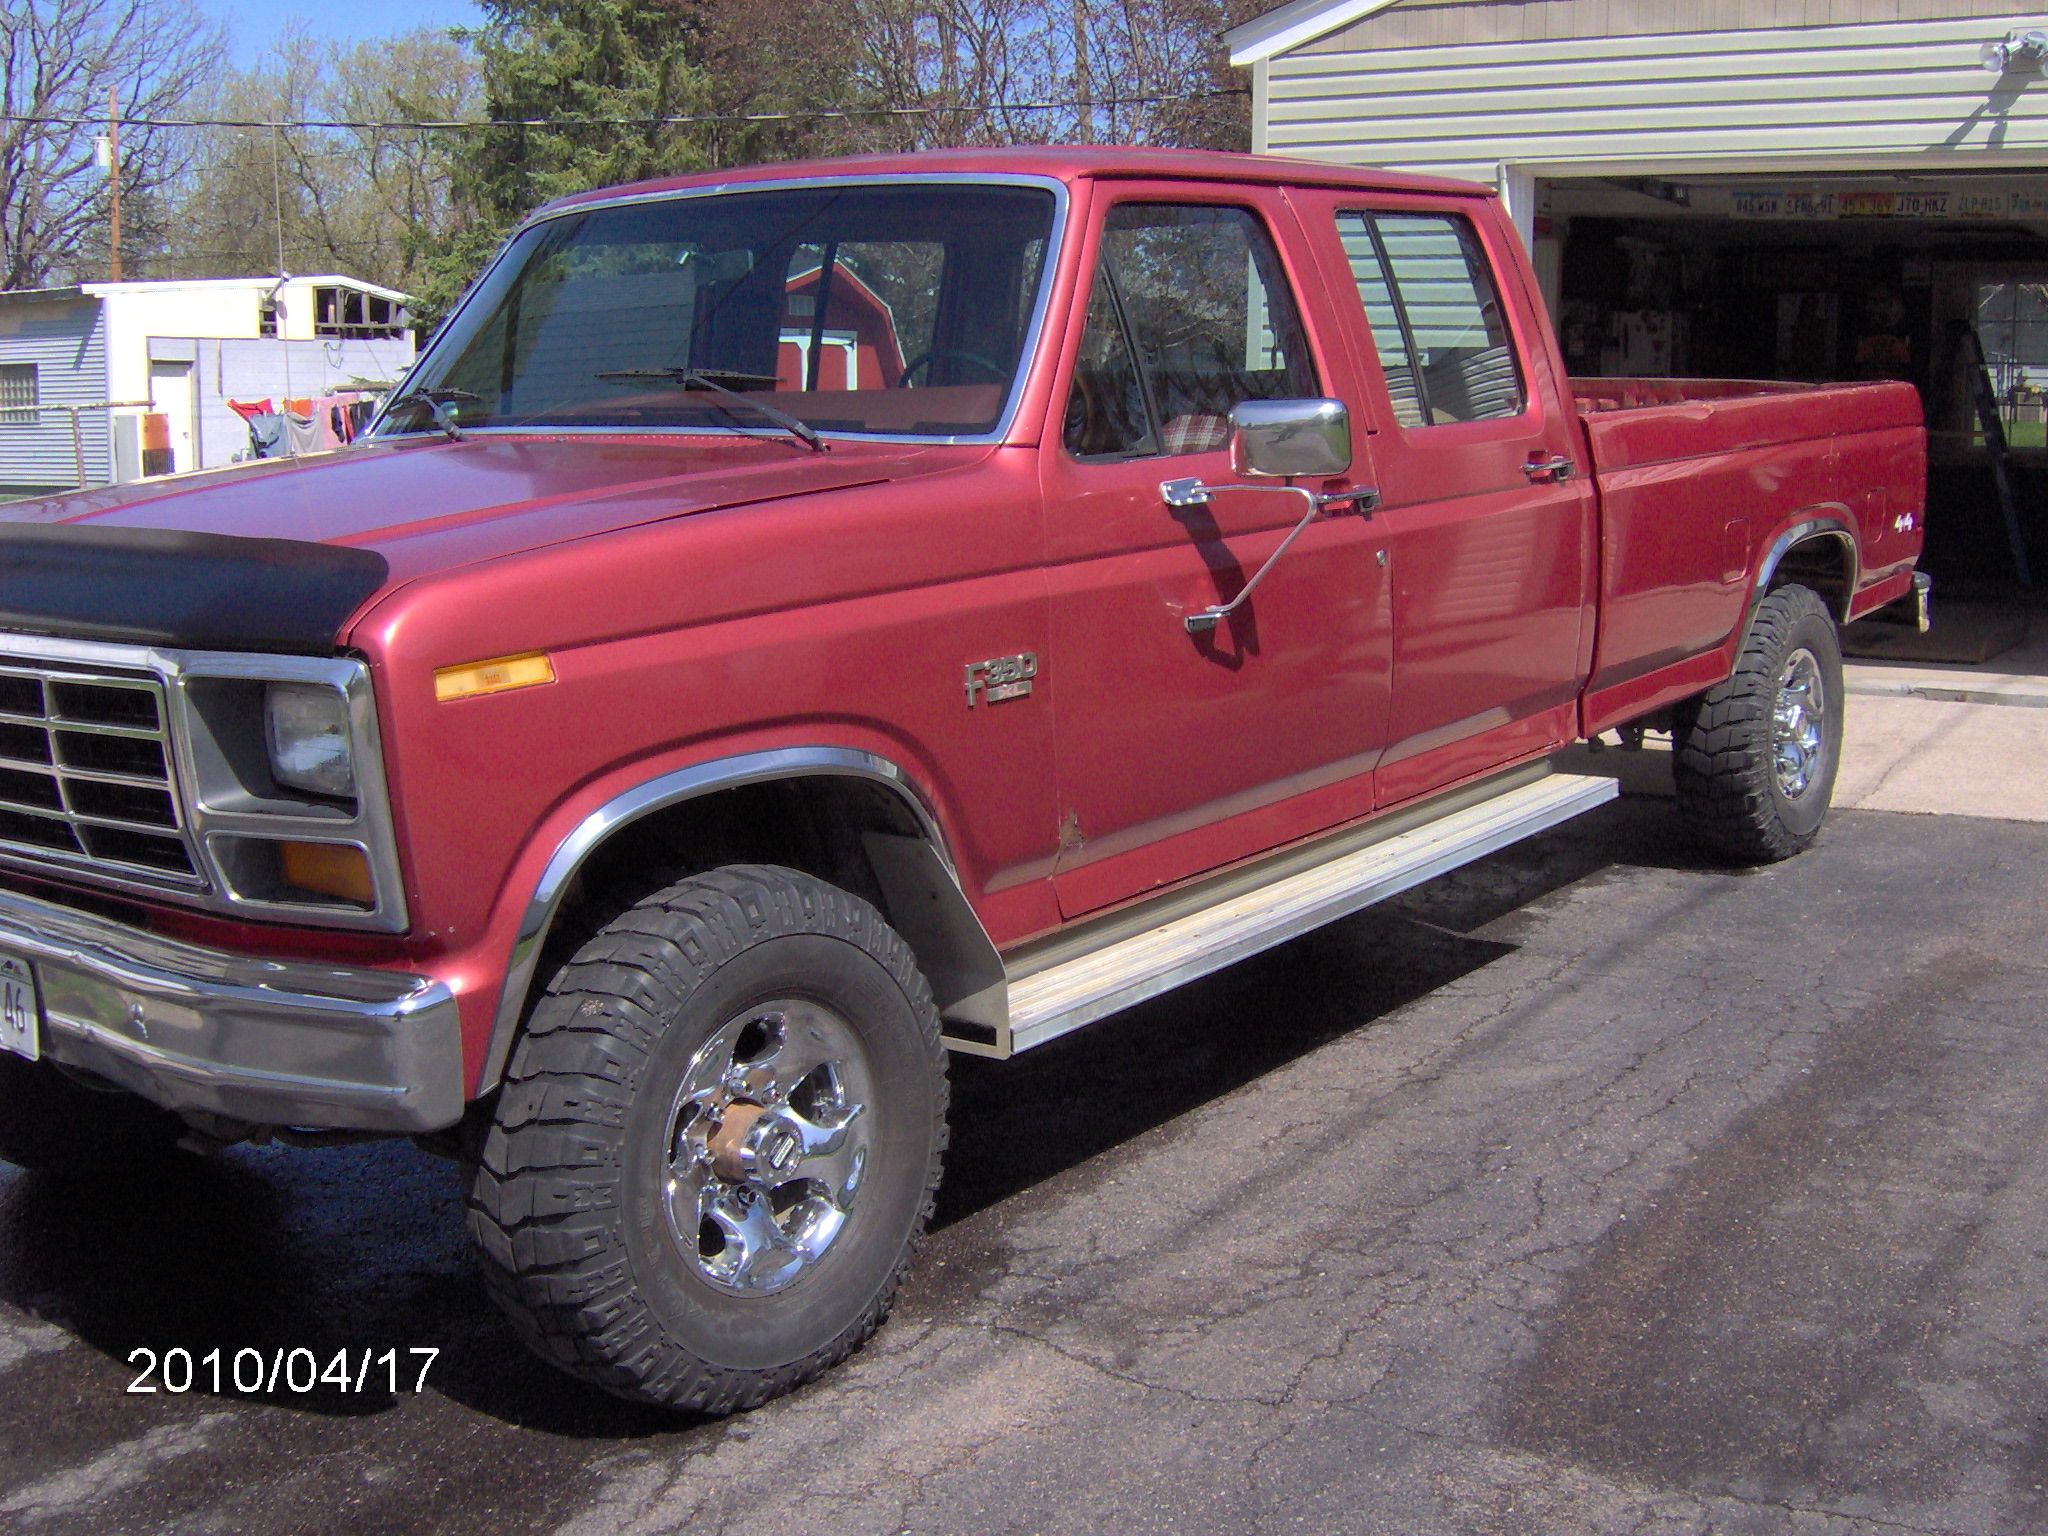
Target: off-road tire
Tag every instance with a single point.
(53, 1123)
(1723, 746)
(565, 1205)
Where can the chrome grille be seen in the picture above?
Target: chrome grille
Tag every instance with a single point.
(85, 774)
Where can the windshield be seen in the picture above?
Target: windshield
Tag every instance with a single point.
(897, 310)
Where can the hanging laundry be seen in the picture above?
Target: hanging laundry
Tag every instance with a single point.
(301, 432)
(266, 434)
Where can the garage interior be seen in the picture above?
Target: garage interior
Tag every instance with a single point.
(1832, 278)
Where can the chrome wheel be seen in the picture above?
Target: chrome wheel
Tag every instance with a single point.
(1798, 723)
(767, 1143)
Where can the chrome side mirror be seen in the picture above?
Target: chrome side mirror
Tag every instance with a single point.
(1290, 437)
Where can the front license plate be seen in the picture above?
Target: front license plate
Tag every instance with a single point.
(21, 1009)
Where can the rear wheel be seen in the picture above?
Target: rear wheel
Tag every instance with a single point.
(717, 1143)
(1755, 757)
(56, 1123)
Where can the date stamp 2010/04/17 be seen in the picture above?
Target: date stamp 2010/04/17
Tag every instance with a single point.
(295, 1372)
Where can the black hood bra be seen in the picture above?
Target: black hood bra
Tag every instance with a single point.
(195, 591)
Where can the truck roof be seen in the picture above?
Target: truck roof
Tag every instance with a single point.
(1069, 163)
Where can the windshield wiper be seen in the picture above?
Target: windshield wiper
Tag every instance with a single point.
(436, 402)
(699, 378)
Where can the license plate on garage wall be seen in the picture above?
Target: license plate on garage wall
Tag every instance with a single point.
(21, 1009)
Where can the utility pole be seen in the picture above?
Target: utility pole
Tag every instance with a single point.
(1084, 91)
(114, 178)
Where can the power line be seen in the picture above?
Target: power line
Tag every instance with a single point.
(674, 120)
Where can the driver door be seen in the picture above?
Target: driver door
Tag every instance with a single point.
(1180, 752)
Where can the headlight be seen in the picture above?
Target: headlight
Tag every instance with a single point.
(306, 726)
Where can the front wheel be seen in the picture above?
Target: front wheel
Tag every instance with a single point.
(1755, 756)
(717, 1142)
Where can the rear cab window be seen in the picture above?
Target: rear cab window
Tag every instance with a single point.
(1189, 313)
(1435, 315)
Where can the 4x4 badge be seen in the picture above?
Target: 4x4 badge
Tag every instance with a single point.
(1001, 677)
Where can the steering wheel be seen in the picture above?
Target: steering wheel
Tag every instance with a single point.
(995, 370)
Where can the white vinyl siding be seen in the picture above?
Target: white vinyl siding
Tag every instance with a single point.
(65, 341)
(1877, 93)
(1432, 23)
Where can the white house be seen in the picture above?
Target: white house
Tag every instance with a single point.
(81, 366)
(1750, 188)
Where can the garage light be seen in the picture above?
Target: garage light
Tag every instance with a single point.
(2019, 51)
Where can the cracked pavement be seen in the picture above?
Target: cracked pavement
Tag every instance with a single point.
(1593, 1188)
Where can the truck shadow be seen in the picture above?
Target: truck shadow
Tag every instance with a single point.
(358, 1250)
(1021, 1122)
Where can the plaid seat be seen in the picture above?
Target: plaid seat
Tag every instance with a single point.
(1196, 434)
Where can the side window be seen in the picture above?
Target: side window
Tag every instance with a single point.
(1106, 412)
(1189, 315)
(1436, 318)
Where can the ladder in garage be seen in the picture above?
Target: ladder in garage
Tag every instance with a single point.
(1985, 393)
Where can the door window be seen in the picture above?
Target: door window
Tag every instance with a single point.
(1189, 316)
(1436, 317)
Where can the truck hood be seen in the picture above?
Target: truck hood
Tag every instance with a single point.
(261, 556)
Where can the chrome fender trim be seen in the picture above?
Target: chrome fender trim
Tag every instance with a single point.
(1833, 522)
(976, 955)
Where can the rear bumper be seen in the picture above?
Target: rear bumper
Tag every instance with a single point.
(263, 1041)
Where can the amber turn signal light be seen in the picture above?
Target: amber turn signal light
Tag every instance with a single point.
(328, 869)
(473, 679)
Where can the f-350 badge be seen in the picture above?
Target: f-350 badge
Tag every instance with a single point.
(1001, 677)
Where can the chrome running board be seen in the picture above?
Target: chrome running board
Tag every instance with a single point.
(1074, 979)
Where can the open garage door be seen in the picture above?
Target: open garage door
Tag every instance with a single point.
(1831, 278)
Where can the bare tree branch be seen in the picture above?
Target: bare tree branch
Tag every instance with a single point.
(58, 61)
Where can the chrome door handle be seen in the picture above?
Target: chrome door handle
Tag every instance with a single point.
(1191, 492)
(1549, 468)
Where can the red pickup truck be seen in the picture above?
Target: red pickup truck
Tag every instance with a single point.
(795, 622)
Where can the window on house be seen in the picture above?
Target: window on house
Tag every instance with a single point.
(1190, 314)
(266, 317)
(1436, 318)
(351, 312)
(20, 393)
(2011, 316)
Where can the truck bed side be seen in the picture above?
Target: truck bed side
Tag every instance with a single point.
(1706, 487)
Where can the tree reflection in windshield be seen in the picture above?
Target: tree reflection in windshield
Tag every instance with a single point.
(888, 310)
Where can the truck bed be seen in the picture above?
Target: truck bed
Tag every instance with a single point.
(1698, 478)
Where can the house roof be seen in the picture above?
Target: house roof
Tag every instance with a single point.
(42, 295)
(168, 285)
(1296, 22)
(264, 281)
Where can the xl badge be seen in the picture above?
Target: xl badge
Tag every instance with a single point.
(1001, 677)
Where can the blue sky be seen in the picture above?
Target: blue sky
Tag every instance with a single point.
(251, 27)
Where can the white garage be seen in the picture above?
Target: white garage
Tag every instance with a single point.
(1816, 189)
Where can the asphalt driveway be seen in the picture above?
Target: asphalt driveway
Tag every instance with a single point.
(1592, 1189)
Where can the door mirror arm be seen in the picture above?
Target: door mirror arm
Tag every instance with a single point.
(1283, 439)
(1191, 492)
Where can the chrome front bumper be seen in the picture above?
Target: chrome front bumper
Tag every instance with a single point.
(263, 1041)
